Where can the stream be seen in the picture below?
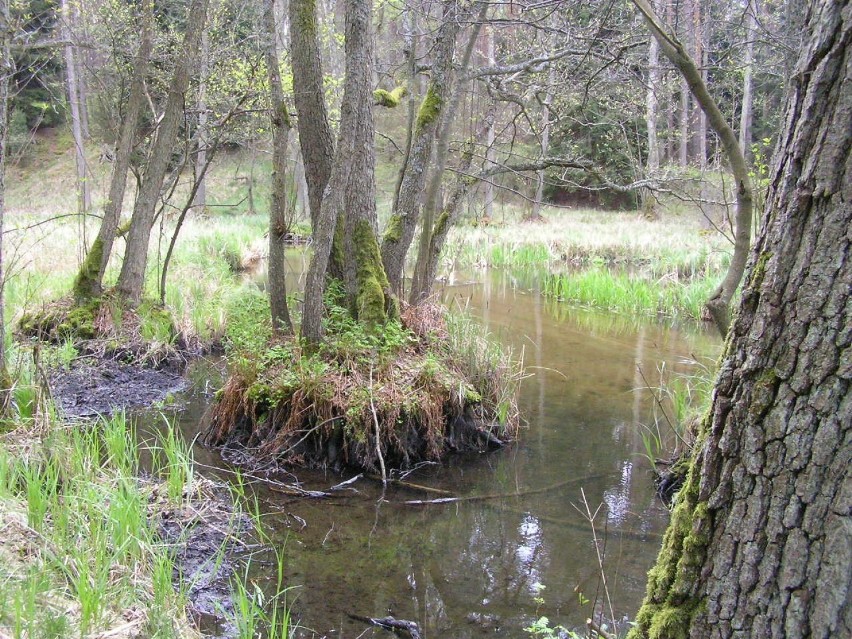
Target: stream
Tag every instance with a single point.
(489, 567)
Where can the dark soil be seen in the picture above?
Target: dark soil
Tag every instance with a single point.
(101, 386)
(207, 537)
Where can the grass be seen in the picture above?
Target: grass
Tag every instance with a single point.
(80, 548)
(600, 259)
(632, 293)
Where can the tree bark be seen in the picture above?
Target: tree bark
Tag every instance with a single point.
(89, 280)
(354, 149)
(719, 303)
(199, 203)
(403, 221)
(71, 74)
(280, 218)
(490, 151)
(132, 277)
(315, 136)
(748, 82)
(760, 542)
(652, 163)
(421, 284)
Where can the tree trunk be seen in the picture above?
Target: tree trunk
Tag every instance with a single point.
(421, 284)
(759, 542)
(132, 277)
(7, 67)
(367, 284)
(403, 221)
(199, 203)
(350, 183)
(488, 185)
(71, 75)
(719, 303)
(652, 163)
(748, 83)
(89, 281)
(280, 218)
(315, 136)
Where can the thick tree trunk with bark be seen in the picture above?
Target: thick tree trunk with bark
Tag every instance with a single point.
(719, 303)
(89, 281)
(403, 220)
(279, 216)
(132, 276)
(760, 543)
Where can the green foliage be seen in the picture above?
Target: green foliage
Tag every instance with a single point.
(96, 527)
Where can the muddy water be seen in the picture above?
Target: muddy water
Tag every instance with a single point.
(489, 567)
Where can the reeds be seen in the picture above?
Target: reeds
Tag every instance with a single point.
(80, 549)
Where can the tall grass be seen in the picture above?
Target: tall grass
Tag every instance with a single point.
(630, 293)
(80, 551)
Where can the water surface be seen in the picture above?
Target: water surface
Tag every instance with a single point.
(489, 567)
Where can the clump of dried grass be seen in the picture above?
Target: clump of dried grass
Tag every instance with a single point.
(395, 406)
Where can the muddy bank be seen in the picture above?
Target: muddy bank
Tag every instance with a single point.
(208, 537)
(100, 386)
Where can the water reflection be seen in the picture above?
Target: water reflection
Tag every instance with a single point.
(473, 568)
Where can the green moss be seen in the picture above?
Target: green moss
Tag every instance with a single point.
(372, 281)
(389, 99)
(87, 283)
(441, 224)
(430, 108)
(759, 270)
(670, 622)
(393, 230)
(669, 606)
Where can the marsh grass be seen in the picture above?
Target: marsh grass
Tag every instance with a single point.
(633, 293)
(81, 552)
(609, 260)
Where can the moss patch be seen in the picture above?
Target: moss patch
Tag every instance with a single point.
(87, 284)
(393, 230)
(670, 603)
(430, 108)
(373, 296)
(390, 99)
(103, 326)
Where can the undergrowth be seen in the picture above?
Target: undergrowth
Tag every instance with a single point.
(413, 390)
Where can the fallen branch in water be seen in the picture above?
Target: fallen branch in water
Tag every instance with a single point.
(400, 627)
(519, 493)
(413, 486)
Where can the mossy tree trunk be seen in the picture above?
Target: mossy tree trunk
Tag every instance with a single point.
(89, 281)
(403, 221)
(132, 276)
(759, 542)
(351, 185)
(280, 215)
(421, 283)
(720, 300)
